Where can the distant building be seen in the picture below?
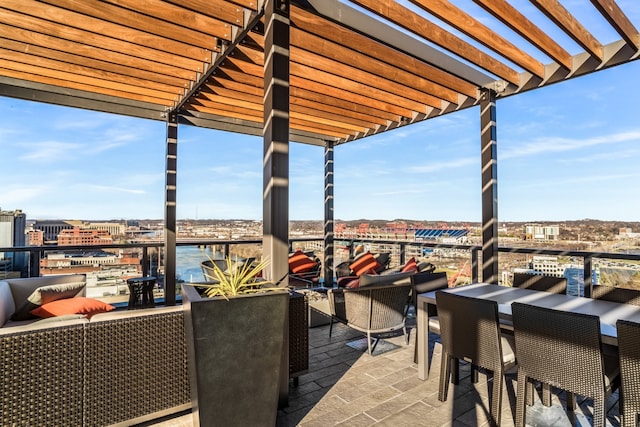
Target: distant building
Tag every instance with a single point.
(114, 228)
(541, 232)
(12, 233)
(51, 228)
(35, 238)
(78, 236)
(627, 233)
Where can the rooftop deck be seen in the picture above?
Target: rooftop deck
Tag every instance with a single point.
(347, 387)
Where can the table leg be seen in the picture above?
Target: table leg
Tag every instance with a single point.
(422, 340)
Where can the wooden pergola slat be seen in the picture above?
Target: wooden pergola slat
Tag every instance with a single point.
(426, 29)
(449, 13)
(515, 20)
(619, 21)
(570, 25)
(132, 19)
(108, 44)
(98, 27)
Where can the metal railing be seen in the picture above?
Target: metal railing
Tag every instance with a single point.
(400, 250)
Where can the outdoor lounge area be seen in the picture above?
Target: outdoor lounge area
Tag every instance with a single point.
(324, 73)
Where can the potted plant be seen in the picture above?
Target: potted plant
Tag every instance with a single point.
(236, 334)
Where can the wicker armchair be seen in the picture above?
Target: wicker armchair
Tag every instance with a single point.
(536, 282)
(610, 293)
(563, 350)
(425, 282)
(373, 309)
(629, 351)
(470, 330)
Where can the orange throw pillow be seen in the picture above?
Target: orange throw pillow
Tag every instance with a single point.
(365, 263)
(300, 263)
(411, 265)
(77, 305)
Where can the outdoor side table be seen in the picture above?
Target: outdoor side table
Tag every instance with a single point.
(141, 292)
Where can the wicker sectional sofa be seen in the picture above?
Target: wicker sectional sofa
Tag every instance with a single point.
(118, 368)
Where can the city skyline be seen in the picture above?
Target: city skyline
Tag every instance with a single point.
(565, 152)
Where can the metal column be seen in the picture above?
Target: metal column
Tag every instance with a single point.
(276, 139)
(170, 211)
(275, 243)
(328, 214)
(489, 163)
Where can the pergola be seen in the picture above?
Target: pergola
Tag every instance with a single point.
(322, 72)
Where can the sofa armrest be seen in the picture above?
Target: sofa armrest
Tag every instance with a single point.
(7, 306)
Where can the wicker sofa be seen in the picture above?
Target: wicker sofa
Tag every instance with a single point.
(118, 368)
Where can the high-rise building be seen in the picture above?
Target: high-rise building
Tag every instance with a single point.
(12, 233)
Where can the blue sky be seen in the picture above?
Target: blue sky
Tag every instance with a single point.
(568, 151)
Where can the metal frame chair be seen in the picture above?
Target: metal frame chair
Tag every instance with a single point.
(629, 354)
(373, 309)
(470, 330)
(537, 282)
(563, 350)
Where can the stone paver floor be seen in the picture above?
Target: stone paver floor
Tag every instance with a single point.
(347, 387)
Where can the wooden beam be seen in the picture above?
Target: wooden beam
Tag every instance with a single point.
(462, 21)
(334, 52)
(366, 46)
(515, 20)
(98, 82)
(619, 21)
(571, 26)
(420, 26)
(90, 63)
(95, 27)
(128, 18)
(54, 81)
(44, 65)
(60, 48)
(218, 9)
(90, 38)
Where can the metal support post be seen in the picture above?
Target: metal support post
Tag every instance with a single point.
(489, 164)
(328, 214)
(170, 211)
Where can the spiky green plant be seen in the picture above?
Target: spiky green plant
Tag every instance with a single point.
(237, 280)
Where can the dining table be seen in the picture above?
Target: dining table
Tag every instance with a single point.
(608, 312)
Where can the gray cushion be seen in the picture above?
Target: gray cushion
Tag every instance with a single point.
(47, 294)
(387, 279)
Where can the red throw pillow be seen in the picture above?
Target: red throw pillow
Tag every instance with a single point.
(365, 263)
(77, 305)
(300, 263)
(355, 283)
(411, 265)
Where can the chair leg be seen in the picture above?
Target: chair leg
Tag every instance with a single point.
(474, 374)
(521, 408)
(599, 411)
(546, 394)
(530, 392)
(445, 373)
(496, 397)
(369, 342)
(330, 326)
(456, 371)
(571, 401)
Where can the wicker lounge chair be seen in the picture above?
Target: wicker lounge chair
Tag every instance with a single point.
(629, 351)
(470, 330)
(563, 350)
(373, 309)
(536, 282)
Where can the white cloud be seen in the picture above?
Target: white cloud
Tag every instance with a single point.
(559, 144)
(451, 164)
